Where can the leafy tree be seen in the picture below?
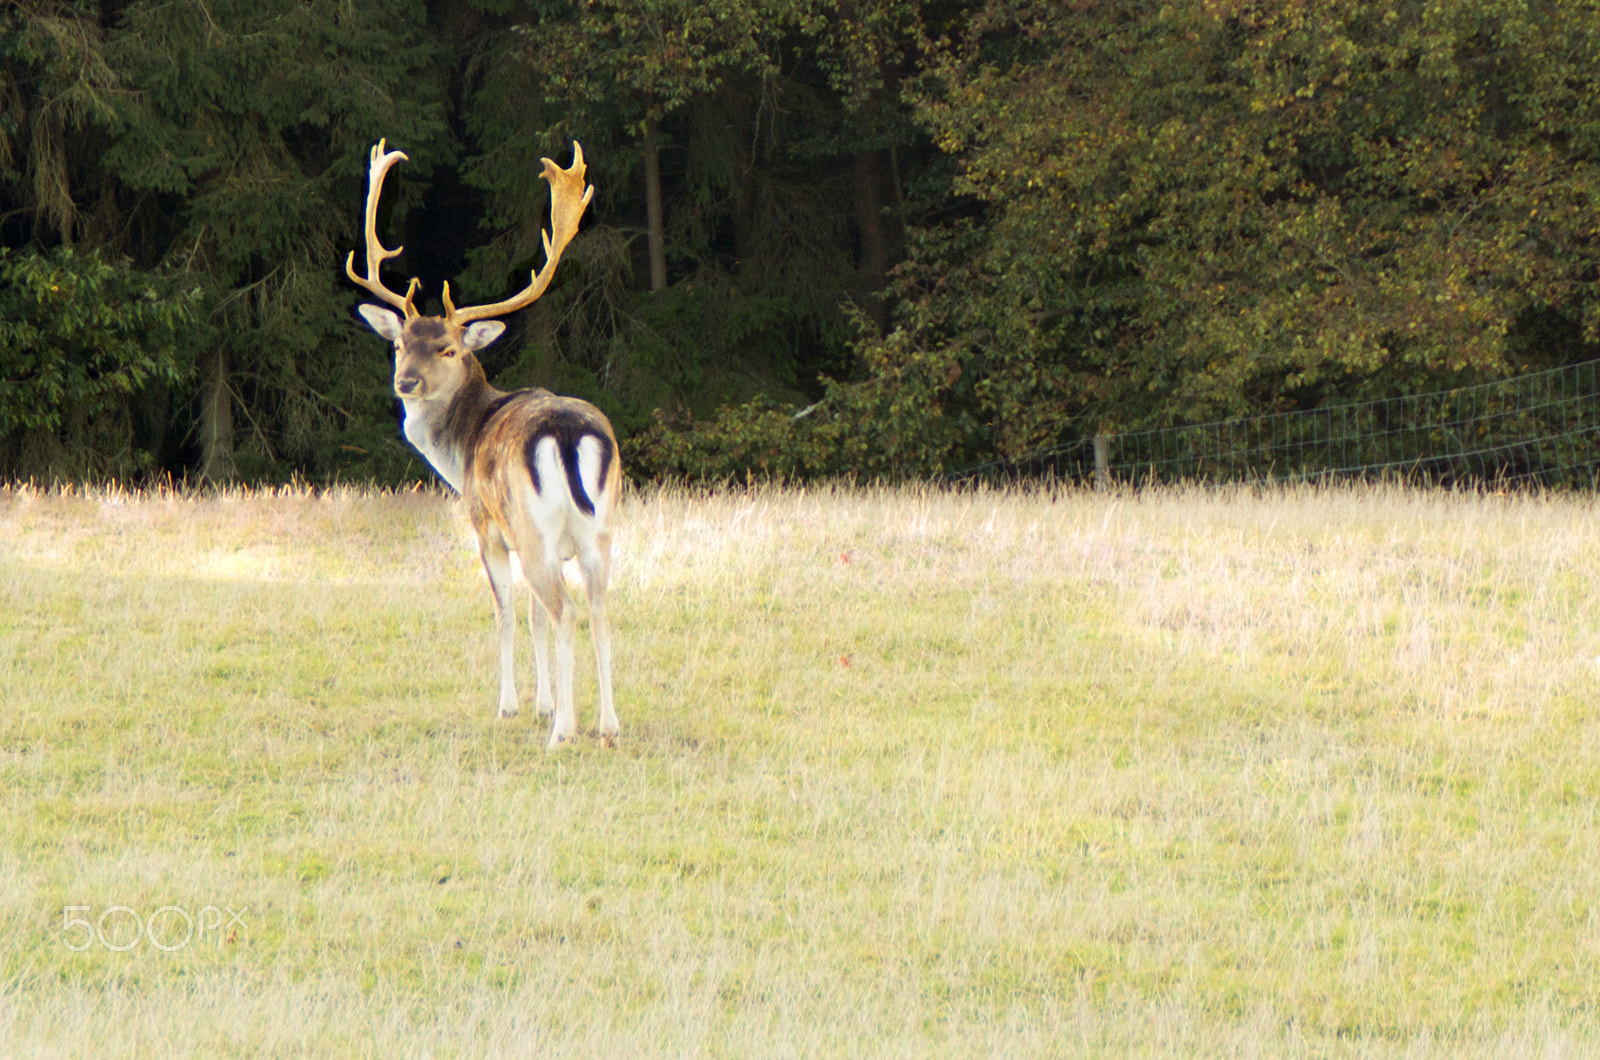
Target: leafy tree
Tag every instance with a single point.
(1199, 209)
(84, 338)
(1206, 209)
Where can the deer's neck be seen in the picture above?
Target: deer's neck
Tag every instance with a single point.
(445, 429)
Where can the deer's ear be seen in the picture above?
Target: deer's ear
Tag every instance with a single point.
(381, 320)
(479, 335)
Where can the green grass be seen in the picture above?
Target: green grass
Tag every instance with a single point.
(1306, 773)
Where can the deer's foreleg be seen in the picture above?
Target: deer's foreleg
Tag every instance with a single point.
(497, 565)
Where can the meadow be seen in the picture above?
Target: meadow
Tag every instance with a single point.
(903, 773)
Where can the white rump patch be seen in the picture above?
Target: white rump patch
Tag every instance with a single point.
(590, 451)
(547, 461)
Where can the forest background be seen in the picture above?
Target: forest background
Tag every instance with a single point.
(873, 238)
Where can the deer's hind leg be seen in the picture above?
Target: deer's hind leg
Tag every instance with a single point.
(551, 598)
(539, 623)
(595, 561)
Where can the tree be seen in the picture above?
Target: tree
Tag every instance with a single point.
(245, 143)
(868, 50)
(58, 94)
(225, 142)
(638, 61)
(1208, 209)
(1202, 209)
(736, 285)
(83, 338)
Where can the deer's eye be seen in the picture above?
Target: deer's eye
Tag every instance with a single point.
(448, 351)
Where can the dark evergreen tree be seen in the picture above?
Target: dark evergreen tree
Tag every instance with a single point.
(219, 147)
(248, 133)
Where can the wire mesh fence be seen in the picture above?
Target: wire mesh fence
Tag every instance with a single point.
(1540, 429)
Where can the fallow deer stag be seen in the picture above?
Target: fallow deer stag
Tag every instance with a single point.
(539, 473)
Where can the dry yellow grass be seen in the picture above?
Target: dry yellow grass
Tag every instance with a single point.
(903, 773)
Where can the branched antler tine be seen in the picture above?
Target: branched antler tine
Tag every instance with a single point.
(378, 167)
(569, 197)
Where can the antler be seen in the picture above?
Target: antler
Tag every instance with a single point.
(568, 198)
(376, 254)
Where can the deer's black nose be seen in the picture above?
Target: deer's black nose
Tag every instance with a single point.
(406, 385)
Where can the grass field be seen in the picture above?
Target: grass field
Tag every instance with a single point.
(902, 774)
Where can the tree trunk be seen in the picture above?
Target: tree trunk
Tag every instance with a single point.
(655, 228)
(216, 420)
(871, 172)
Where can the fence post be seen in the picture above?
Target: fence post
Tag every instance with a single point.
(1102, 461)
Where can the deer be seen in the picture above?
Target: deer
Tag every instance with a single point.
(539, 475)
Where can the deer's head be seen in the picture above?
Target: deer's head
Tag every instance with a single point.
(432, 352)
